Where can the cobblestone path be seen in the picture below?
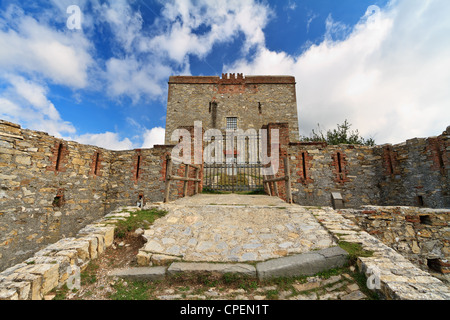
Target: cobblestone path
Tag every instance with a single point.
(234, 228)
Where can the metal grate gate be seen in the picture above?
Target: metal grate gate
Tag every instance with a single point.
(237, 174)
(233, 177)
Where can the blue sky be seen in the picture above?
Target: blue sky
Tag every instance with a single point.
(383, 65)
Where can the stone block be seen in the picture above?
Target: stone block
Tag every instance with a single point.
(302, 264)
(23, 289)
(34, 280)
(93, 244)
(145, 274)
(163, 259)
(8, 294)
(143, 258)
(337, 200)
(49, 273)
(106, 231)
(211, 268)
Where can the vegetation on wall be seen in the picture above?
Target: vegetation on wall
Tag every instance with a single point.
(341, 135)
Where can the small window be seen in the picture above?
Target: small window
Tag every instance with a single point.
(231, 123)
(58, 157)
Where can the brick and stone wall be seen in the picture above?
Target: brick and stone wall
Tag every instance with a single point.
(51, 188)
(420, 234)
(48, 190)
(254, 100)
(137, 176)
(318, 169)
(416, 173)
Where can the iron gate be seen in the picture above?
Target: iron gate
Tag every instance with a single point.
(236, 174)
(232, 177)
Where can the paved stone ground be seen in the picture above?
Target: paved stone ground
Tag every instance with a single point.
(231, 228)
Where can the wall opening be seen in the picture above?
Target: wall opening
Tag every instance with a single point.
(213, 112)
(304, 165)
(58, 201)
(434, 265)
(97, 160)
(425, 220)
(138, 164)
(259, 108)
(440, 158)
(58, 157)
(140, 202)
(389, 160)
(339, 162)
(420, 201)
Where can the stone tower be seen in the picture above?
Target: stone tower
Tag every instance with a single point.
(233, 101)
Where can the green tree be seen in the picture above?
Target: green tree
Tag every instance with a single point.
(341, 135)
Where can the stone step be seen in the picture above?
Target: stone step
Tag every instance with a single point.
(307, 264)
(301, 264)
(141, 274)
(212, 268)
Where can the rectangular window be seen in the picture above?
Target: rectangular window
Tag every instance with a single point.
(231, 123)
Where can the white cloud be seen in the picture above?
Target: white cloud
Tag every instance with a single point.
(9, 110)
(389, 75)
(107, 140)
(132, 78)
(153, 137)
(147, 57)
(25, 102)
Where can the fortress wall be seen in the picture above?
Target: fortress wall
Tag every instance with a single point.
(317, 170)
(129, 185)
(51, 188)
(42, 197)
(416, 173)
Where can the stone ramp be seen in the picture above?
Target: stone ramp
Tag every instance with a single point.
(232, 228)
